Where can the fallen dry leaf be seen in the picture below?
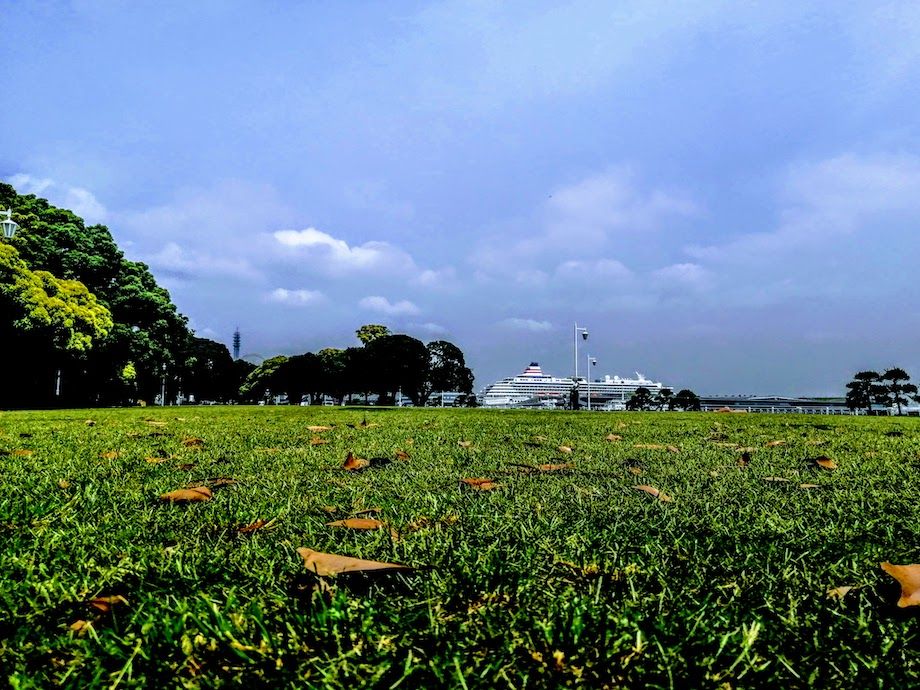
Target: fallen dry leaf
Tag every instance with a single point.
(564, 449)
(317, 428)
(330, 509)
(63, 484)
(156, 461)
(257, 525)
(108, 455)
(674, 449)
(840, 592)
(464, 444)
(773, 444)
(726, 444)
(909, 577)
(402, 455)
(809, 486)
(480, 483)
(654, 492)
(81, 626)
(613, 437)
(328, 564)
(194, 495)
(186, 466)
(154, 422)
(317, 441)
(745, 459)
(193, 442)
(555, 468)
(356, 523)
(353, 463)
(776, 479)
(90, 422)
(106, 604)
(824, 462)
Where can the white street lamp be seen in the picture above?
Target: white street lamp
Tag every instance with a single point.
(584, 335)
(9, 226)
(591, 362)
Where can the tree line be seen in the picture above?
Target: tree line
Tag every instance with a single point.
(891, 388)
(386, 364)
(83, 325)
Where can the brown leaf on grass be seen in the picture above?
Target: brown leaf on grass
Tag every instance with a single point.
(809, 486)
(776, 479)
(317, 428)
(257, 525)
(63, 484)
(673, 449)
(109, 455)
(613, 437)
(555, 468)
(193, 442)
(328, 564)
(22, 453)
(194, 495)
(479, 483)
(90, 422)
(330, 509)
(154, 422)
(745, 459)
(220, 482)
(81, 627)
(773, 444)
(156, 461)
(402, 455)
(651, 490)
(465, 444)
(726, 444)
(564, 449)
(839, 592)
(357, 523)
(353, 463)
(186, 466)
(317, 441)
(106, 604)
(909, 577)
(824, 463)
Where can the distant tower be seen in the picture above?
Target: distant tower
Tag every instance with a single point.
(236, 344)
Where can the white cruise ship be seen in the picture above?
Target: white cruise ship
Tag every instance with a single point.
(533, 388)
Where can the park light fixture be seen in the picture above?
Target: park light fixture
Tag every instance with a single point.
(592, 361)
(584, 336)
(9, 225)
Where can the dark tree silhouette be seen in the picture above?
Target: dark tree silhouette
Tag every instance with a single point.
(895, 387)
(862, 390)
(686, 400)
(641, 400)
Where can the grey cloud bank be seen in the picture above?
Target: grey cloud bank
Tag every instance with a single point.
(726, 196)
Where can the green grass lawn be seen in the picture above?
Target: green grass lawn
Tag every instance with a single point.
(552, 579)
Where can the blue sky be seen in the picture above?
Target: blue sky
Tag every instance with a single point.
(727, 194)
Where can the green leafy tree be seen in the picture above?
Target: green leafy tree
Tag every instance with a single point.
(685, 399)
(862, 390)
(207, 370)
(641, 400)
(447, 370)
(894, 387)
(301, 376)
(664, 399)
(333, 373)
(369, 332)
(399, 362)
(264, 379)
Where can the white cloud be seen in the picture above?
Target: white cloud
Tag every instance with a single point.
(296, 298)
(682, 276)
(384, 306)
(181, 262)
(436, 278)
(335, 255)
(429, 327)
(600, 269)
(532, 325)
(77, 199)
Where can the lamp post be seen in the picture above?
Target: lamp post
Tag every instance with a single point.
(9, 226)
(584, 336)
(591, 362)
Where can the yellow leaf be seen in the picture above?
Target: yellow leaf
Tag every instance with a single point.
(328, 564)
(909, 577)
(196, 494)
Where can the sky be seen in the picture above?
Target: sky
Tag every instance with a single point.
(726, 194)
